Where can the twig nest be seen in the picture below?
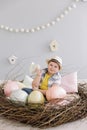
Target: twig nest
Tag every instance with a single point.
(50, 113)
(36, 97)
(55, 92)
(9, 87)
(19, 96)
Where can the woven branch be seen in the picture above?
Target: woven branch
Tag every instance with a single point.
(46, 115)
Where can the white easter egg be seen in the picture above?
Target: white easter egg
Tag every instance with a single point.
(36, 97)
(19, 95)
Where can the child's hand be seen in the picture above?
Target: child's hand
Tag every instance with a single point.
(35, 88)
(36, 81)
(38, 72)
(33, 68)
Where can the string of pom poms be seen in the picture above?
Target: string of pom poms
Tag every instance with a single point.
(44, 26)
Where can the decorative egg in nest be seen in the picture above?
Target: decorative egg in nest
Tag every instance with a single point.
(36, 97)
(9, 87)
(55, 92)
(19, 96)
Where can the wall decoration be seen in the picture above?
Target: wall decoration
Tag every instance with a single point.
(54, 45)
(45, 25)
(12, 59)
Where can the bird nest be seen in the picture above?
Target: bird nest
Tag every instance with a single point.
(49, 114)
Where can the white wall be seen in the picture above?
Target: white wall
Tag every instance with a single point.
(70, 33)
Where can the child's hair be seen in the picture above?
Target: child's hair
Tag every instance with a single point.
(54, 60)
(57, 60)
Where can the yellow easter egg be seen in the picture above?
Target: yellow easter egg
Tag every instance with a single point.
(36, 97)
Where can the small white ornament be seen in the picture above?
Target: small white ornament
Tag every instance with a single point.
(77, 0)
(27, 30)
(2, 26)
(48, 25)
(11, 29)
(66, 11)
(43, 27)
(22, 30)
(54, 45)
(53, 22)
(57, 19)
(84, 0)
(16, 30)
(62, 16)
(37, 28)
(32, 30)
(12, 59)
(69, 8)
(6, 28)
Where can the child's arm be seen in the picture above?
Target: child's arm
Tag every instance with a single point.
(42, 91)
(36, 81)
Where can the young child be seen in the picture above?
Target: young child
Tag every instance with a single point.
(49, 76)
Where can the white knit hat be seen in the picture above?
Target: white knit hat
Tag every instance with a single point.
(58, 59)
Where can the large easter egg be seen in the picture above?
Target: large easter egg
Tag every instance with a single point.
(9, 87)
(36, 97)
(55, 92)
(19, 96)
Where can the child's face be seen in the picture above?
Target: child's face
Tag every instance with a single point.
(53, 68)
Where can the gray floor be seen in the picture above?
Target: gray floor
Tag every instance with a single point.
(10, 125)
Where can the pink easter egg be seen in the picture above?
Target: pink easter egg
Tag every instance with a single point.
(55, 92)
(9, 87)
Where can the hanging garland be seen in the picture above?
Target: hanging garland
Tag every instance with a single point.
(44, 26)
